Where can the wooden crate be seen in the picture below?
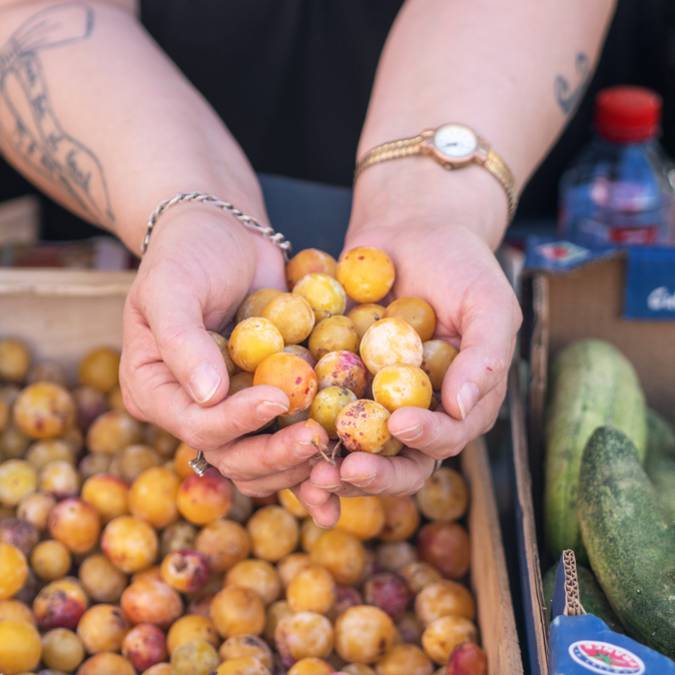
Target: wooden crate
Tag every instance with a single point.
(62, 313)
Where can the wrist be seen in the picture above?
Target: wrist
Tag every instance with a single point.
(415, 190)
(202, 233)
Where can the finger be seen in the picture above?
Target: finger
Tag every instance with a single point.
(488, 332)
(326, 477)
(400, 475)
(161, 399)
(263, 487)
(323, 506)
(177, 324)
(258, 456)
(437, 434)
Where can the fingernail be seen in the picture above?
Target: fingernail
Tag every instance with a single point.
(409, 433)
(363, 480)
(326, 486)
(203, 383)
(265, 410)
(467, 398)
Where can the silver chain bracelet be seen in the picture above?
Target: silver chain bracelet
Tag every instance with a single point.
(203, 198)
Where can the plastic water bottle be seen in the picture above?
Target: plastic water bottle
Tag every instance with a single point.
(620, 190)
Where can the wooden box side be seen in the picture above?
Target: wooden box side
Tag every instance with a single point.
(63, 313)
(489, 577)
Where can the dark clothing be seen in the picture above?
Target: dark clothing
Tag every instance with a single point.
(292, 80)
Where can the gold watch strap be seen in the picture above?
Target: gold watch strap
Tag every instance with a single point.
(404, 147)
(500, 170)
(408, 147)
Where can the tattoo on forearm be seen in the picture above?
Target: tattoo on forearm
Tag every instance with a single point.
(35, 132)
(567, 95)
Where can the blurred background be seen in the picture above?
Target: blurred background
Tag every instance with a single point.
(318, 92)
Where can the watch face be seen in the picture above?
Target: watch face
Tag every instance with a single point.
(455, 141)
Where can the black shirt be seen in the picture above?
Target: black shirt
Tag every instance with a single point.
(292, 80)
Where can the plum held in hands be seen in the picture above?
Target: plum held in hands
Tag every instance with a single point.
(367, 273)
(417, 312)
(309, 261)
(252, 341)
(362, 426)
(293, 375)
(437, 355)
(399, 386)
(323, 292)
(342, 369)
(364, 316)
(327, 405)
(255, 303)
(332, 334)
(292, 315)
(391, 342)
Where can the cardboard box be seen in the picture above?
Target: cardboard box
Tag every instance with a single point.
(559, 309)
(63, 313)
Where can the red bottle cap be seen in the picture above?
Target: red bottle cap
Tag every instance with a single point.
(627, 114)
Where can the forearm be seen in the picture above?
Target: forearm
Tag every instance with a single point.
(498, 67)
(97, 116)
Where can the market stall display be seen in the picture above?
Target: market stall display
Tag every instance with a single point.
(130, 545)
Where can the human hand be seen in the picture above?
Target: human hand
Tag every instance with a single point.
(198, 268)
(445, 261)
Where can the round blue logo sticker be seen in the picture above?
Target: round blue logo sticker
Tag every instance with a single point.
(605, 658)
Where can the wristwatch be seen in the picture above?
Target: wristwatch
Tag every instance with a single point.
(453, 146)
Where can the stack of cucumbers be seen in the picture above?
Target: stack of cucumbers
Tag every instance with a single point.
(610, 488)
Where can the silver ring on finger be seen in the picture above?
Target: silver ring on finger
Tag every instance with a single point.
(198, 464)
(437, 465)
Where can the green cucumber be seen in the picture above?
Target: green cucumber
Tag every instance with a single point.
(592, 597)
(592, 384)
(660, 461)
(629, 541)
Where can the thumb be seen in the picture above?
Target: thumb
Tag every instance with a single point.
(190, 353)
(486, 349)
